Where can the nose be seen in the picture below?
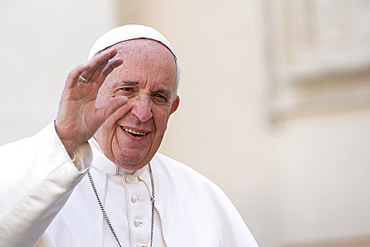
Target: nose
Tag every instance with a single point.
(142, 108)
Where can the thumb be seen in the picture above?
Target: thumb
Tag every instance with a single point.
(112, 106)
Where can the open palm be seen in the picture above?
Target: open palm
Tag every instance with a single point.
(78, 117)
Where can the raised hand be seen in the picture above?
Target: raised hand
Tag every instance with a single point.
(78, 117)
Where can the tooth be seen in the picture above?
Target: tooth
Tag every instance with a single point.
(134, 132)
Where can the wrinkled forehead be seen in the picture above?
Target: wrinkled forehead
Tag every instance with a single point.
(145, 49)
(126, 33)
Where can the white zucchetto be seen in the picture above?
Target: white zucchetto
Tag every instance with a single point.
(128, 32)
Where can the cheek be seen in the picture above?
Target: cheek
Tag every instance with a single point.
(161, 120)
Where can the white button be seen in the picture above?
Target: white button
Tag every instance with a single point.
(138, 222)
(134, 198)
(130, 179)
(141, 245)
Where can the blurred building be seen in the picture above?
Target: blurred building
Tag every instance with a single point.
(275, 100)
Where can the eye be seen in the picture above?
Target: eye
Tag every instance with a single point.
(160, 98)
(127, 89)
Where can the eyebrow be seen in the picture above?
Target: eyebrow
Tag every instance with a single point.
(130, 83)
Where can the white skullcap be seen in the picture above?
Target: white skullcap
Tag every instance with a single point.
(128, 32)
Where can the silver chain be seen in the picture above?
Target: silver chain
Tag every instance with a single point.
(106, 218)
(152, 198)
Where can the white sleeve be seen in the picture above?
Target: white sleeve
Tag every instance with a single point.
(36, 178)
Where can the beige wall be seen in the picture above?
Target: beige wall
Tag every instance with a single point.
(40, 42)
(303, 179)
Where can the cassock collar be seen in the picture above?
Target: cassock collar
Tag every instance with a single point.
(102, 163)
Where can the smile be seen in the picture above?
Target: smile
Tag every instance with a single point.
(135, 133)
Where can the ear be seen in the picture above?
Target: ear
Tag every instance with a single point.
(175, 104)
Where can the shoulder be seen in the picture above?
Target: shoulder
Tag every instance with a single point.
(171, 167)
(191, 199)
(180, 176)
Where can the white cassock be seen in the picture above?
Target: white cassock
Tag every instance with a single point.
(47, 201)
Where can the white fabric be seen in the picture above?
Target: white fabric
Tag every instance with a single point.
(31, 189)
(190, 210)
(128, 32)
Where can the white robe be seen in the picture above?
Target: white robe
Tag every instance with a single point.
(47, 201)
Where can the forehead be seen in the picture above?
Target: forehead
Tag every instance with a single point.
(144, 48)
(144, 54)
(145, 58)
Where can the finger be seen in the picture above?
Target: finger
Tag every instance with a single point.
(111, 107)
(107, 70)
(72, 77)
(97, 63)
(98, 71)
(102, 70)
(111, 66)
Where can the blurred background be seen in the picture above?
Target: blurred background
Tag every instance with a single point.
(275, 100)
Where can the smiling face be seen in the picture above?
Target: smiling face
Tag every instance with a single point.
(132, 135)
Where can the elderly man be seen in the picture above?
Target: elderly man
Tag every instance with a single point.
(113, 115)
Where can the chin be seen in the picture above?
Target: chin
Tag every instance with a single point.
(131, 162)
(131, 158)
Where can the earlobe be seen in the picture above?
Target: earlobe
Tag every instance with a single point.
(175, 104)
